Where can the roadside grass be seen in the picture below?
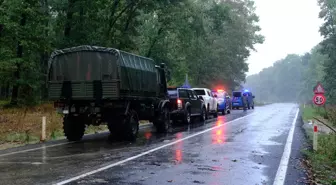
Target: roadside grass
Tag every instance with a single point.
(309, 112)
(23, 125)
(261, 103)
(322, 161)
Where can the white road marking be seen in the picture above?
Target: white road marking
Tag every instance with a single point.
(33, 149)
(145, 153)
(282, 170)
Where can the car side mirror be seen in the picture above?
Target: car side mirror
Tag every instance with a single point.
(253, 96)
(200, 97)
(227, 97)
(215, 96)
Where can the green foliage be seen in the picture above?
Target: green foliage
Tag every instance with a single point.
(291, 79)
(328, 13)
(206, 39)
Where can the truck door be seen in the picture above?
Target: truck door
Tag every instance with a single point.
(214, 101)
(211, 100)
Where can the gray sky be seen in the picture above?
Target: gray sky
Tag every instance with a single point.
(289, 26)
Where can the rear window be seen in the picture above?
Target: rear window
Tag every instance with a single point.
(237, 94)
(200, 92)
(172, 93)
(183, 93)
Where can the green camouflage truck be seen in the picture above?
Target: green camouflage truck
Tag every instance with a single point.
(91, 85)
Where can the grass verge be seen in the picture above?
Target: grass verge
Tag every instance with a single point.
(20, 126)
(322, 161)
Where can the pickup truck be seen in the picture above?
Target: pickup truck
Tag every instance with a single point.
(185, 104)
(210, 101)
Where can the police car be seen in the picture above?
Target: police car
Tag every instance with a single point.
(223, 101)
(238, 101)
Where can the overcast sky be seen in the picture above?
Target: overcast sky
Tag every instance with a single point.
(289, 26)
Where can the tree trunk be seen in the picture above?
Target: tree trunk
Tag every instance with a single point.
(19, 54)
(68, 21)
(113, 21)
(44, 55)
(127, 24)
(154, 42)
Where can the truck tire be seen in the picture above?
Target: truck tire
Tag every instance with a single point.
(73, 127)
(131, 126)
(115, 130)
(163, 123)
(203, 114)
(187, 117)
(216, 112)
(207, 112)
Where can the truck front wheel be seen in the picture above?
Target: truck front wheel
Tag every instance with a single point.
(163, 123)
(73, 127)
(131, 126)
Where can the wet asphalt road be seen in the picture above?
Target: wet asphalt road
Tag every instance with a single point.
(240, 148)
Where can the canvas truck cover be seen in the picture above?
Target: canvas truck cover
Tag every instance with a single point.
(85, 71)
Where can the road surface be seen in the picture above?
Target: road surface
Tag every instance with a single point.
(258, 146)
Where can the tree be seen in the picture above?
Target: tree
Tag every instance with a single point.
(209, 40)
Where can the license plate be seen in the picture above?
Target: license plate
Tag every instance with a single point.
(235, 103)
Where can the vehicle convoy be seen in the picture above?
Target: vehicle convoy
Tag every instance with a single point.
(209, 100)
(224, 101)
(91, 85)
(242, 99)
(185, 104)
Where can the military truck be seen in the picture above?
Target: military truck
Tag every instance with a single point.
(92, 85)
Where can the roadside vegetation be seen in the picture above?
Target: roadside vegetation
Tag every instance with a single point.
(186, 35)
(322, 161)
(19, 126)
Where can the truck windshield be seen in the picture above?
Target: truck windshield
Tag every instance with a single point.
(237, 94)
(200, 92)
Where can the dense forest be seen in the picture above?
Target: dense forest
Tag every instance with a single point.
(209, 40)
(293, 78)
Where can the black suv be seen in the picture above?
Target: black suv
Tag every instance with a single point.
(185, 105)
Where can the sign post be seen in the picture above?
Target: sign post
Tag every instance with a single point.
(319, 98)
(315, 135)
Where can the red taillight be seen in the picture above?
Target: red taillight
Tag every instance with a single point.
(179, 103)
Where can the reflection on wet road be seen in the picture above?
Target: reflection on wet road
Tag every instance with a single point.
(241, 148)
